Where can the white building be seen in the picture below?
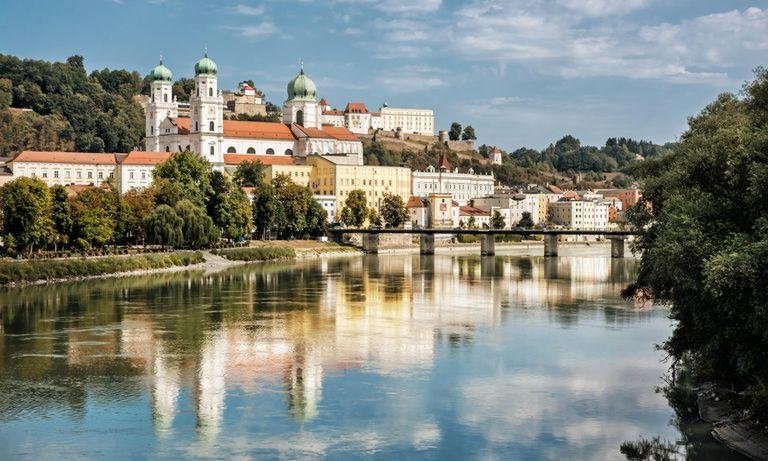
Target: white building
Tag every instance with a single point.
(357, 117)
(511, 206)
(135, 169)
(579, 214)
(417, 121)
(463, 187)
(205, 131)
(328, 202)
(64, 168)
(495, 156)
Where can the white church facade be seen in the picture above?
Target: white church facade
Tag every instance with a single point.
(207, 133)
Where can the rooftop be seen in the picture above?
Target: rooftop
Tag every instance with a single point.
(65, 157)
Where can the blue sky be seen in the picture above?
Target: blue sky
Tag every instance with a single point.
(522, 72)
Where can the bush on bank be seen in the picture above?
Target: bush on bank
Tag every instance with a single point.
(30, 271)
(257, 253)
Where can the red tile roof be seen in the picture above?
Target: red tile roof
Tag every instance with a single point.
(138, 157)
(468, 210)
(444, 162)
(333, 112)
(65, 157)
(554, 189)
(241, 129)
(323, 102)
(356, 108)
(571, 195)
(237, 159)
(339, 132)
(313, 132)
(415, 202)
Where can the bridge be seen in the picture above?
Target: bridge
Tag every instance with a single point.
(487, 237)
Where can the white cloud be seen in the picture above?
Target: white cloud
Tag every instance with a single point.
(261, 30)
(249, 10)
(412, 78)
(409, 6)
(604, 7)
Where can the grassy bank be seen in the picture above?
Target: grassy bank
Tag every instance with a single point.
(265, 253)
(31, 271)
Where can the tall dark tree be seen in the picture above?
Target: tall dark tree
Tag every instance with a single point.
(393, 210)
(164, 227)
(355, 210)
(249, 174)
(61, 214)
(454, 133)
(468, 134)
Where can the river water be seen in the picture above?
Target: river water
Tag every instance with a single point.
(445, 357)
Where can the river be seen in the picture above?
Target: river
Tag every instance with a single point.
(399, 356)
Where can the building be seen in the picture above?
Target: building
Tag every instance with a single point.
(463, 187)
(244, 101)
(628, 197)
(495, 156)
(206, 132)
(328, 202)
(135, 169)
(474, 217)
(545, 197)
(335, 176)
(511, 206)
(579, 214)
(418, 211)
(441, 211)
(357, 117)
(64, 168)
(416, 121)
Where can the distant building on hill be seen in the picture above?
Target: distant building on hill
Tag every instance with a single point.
(358, 119)
(463, 187)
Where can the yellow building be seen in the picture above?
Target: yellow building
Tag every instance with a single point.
(299, 174)
(334, 176)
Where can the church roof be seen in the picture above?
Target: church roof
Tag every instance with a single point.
(444, 162)
(138, 157)
(237, 159)
(324, 102)
(339, 132)
(241, 129)
(356, 108)
(65, 157)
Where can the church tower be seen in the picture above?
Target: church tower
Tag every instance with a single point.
(301, 106)
(206, 124)
(161, 104)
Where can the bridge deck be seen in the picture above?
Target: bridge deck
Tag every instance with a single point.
(605, 232)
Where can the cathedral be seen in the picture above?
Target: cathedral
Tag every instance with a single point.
(206, 132)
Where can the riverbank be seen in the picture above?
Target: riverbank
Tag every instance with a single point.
(722, 409)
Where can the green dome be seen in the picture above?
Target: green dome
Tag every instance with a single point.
(302, 88)
(161, 73)
(205, 66)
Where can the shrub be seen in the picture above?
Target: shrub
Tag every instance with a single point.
(257, 253)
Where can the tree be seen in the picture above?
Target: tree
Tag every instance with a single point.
(137, 205)
(472, 223)
(294, 201)
(468, 134)
(268, 213)
(26, 206)
(317, 219)
(455, 132)
(93, 217)
(61, 214)
(164, 227)
(373, 217)
(238, 222)
(356, 206)
(6, 93)
(526, 222)
(183, 88)
(497, 220)
(249, 174)
(704, 222)
(190, 173)
(197, 229)
(393, 210)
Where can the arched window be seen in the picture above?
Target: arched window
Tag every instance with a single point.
(251, 150)
(327, 153)
(167, 148)
(197, 128)
(165, 97)
(210, 126)
(270, 151)
(213, 151)
(231, 150)
(288, 152)
(300, 117)
(210, 91)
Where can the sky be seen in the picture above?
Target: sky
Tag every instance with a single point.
(521, 72)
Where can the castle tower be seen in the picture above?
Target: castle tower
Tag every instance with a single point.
(301, 106)
(161, 104)
(206, 124)
(495, 156)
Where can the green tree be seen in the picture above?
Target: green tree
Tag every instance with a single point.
(317, 218)
(472, 223)
(355, 209)
(93, 217)
(393, 210)
(268, 214)
(704, 222)
(294, 201)
(239, 217)
(183, 88)
(497, 220)
(191, 174)
(61, 214)
(468, 134)
(137, 205)
(526, 221)
(164, 227)
(26, 206)
(249, 174)
(373, 217)
(6, 93)
(454, 134)
(197, 229)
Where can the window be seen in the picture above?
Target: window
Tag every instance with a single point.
(111, 174)
(210, 127)
(167, 148)
(45, 174)
(66, 174)
(300, 117)
(231, 150)
(165, 97)
(130, 175)
(55, 174)
(196, 127)
(213, 150)
(79, 175)
(90, 175)
(251, 150)
(152, 130)
(288, 152)
(210, 91)
(270, 151)
(143, 175)
(101, 175)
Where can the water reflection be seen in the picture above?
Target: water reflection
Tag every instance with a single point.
(390, 354)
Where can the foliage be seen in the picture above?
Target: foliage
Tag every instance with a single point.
(267, 253)
(238, 219)
(454, 133)
(650, 450)
(355, 209)
(249, 174)
(268, 215)
(32, 270)
(704, 216)
(190, 173)
(93, 217)
(468, 134)
(6, 93)
(31, 131)
(26, 209)
(183, 88)
(393, 210)
(526, 221)
(164, 227)
(197, 229)
(317, 218)
(497, 220)
(61, 215)
(136, 206)
(271, 116)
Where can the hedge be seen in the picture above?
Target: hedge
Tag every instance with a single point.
(256, 253)
(33, 270)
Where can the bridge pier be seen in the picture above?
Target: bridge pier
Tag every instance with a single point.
(550, 244)
(371, 243)
(487, 244)
(427, 244)
(617, 246)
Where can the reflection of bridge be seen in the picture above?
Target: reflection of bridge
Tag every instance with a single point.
(487, 238)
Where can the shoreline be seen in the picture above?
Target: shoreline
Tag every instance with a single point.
(721, 409)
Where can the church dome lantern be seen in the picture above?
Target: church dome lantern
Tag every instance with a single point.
(161, 73)
(302, 88)
(205, 66)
